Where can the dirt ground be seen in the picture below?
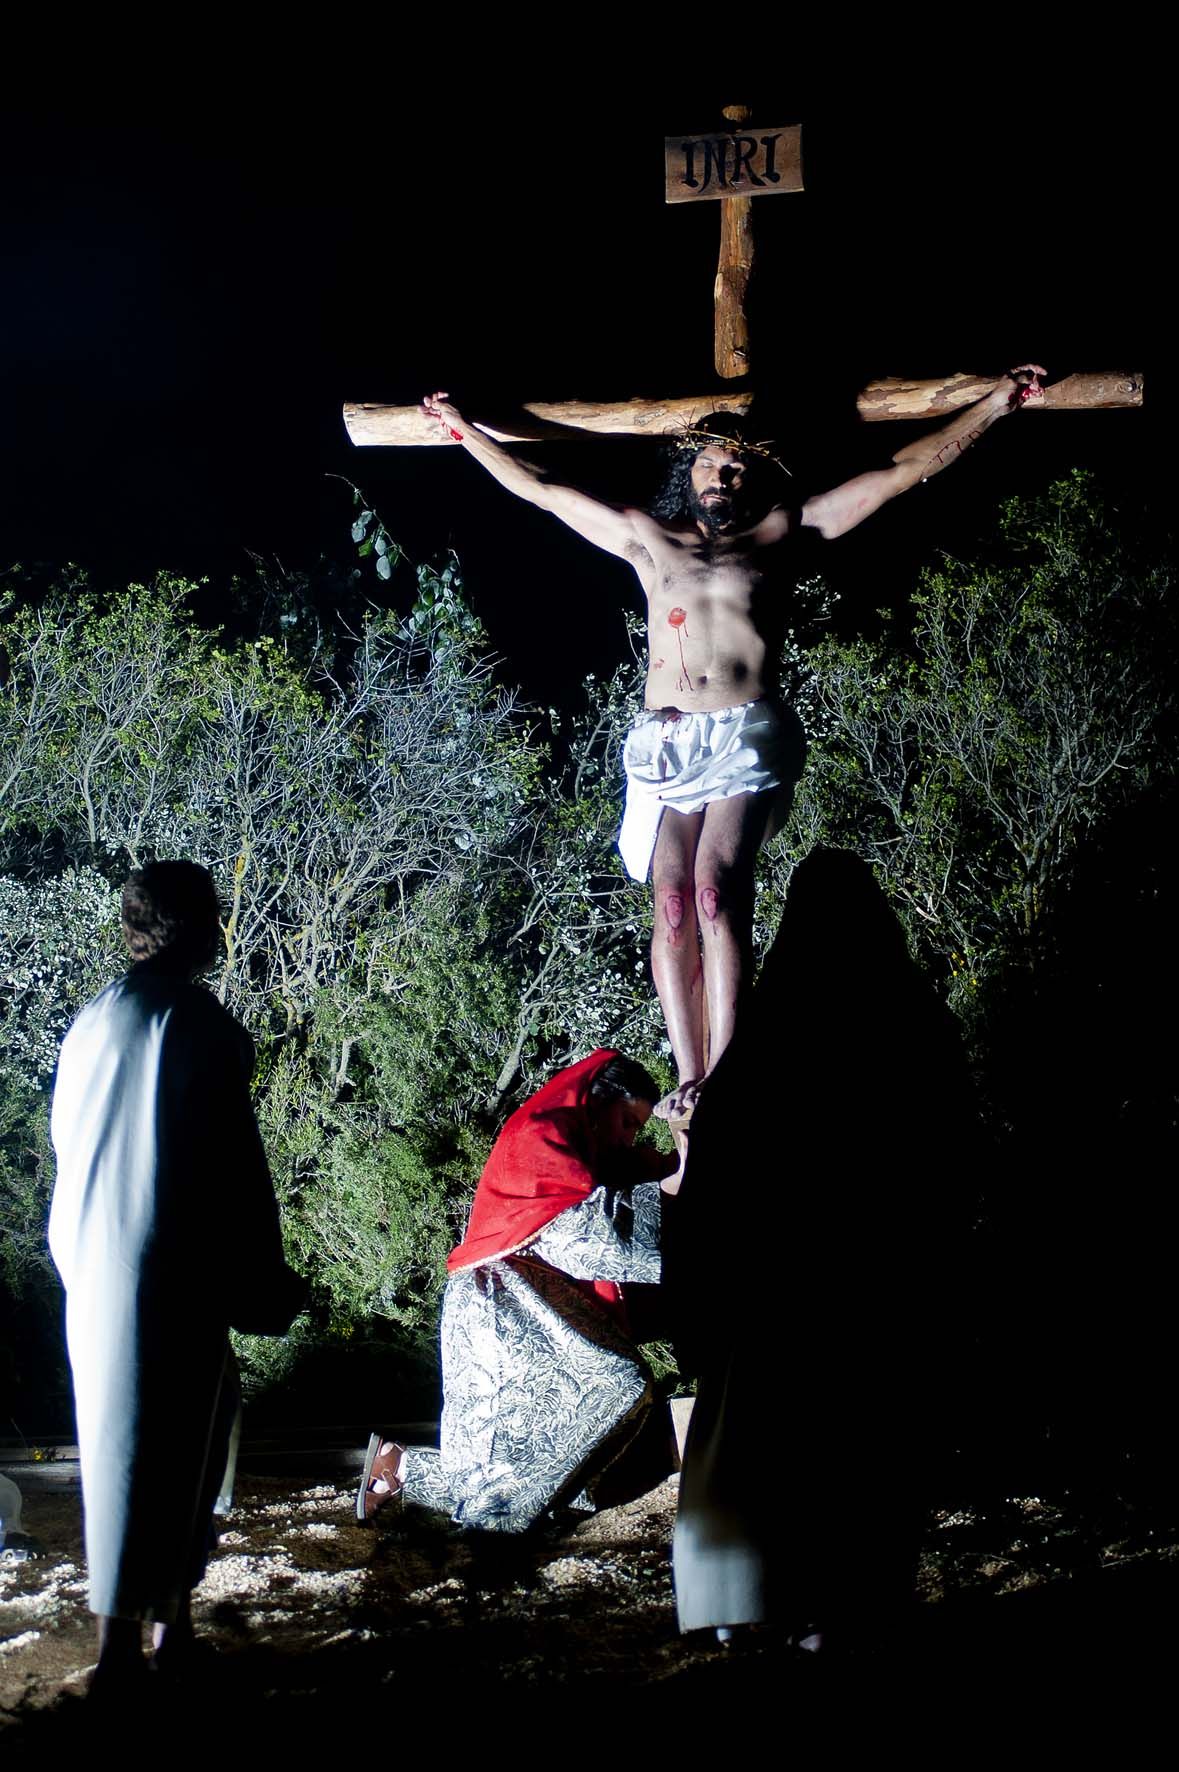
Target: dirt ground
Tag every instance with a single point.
(314, 1623)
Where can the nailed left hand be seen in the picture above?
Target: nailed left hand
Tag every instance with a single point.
(1027, 384)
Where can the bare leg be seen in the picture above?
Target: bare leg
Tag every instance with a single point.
(675, 947)
(725, 859)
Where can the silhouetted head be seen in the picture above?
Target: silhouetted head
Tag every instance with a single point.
(170, 914)
(621, 1098)
(715, 477)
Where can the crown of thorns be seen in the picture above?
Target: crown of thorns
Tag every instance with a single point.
(696, 439)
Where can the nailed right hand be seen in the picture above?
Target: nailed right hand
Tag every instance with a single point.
(440, 407)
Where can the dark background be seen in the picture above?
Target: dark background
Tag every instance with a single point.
(187, 302)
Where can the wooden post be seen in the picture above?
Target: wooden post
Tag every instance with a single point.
(731, 353)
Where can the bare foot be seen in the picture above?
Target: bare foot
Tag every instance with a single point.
(679, 1104)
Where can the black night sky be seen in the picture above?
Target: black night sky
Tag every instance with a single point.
(185, 308)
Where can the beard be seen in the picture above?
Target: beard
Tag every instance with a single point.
(716, 510)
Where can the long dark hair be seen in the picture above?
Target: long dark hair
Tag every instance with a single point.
(624, 1079)
(730, 430)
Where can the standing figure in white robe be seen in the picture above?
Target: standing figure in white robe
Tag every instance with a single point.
(545, 1393)
(165, 1231)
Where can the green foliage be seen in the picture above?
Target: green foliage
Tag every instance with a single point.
(61, 946)
(372, 538)
(98, 703)
(967, 758)
(422, 908)
(26, 1176)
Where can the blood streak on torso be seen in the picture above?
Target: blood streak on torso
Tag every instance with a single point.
(676, 619)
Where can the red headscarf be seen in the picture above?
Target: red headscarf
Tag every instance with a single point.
(541, 1163)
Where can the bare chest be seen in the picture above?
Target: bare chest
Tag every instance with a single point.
(731, 582)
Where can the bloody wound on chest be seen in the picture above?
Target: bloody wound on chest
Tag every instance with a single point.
(676, 619)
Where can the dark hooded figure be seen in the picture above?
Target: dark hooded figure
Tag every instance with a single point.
(843, 1105)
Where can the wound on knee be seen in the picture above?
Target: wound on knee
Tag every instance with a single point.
(710, 902)
(673, 916)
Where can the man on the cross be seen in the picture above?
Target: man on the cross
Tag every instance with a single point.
(712, 761)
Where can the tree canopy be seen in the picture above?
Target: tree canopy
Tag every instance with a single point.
(424, 911)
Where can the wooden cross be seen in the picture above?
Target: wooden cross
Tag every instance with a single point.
(733, 166)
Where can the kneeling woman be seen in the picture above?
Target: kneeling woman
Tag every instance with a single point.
(543, 1385)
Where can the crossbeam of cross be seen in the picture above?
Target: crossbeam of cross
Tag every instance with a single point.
(373, 425)
(760, 163)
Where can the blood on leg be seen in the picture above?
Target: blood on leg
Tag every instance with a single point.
(673, 916)
(675, 946)
(723, 899)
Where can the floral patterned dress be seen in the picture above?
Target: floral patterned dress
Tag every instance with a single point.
(543, 1387)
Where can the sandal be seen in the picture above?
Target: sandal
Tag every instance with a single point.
(379, 1467)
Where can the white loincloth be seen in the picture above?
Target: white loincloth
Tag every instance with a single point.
(686, 761)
